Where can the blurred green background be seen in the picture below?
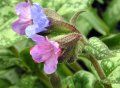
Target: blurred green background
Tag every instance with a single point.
(100, 19)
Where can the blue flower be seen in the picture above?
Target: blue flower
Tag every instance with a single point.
(32, 19)
(40, 21)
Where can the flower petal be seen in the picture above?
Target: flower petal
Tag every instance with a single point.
(50, 65)
(46, 51)
(32, 30)
(57, 49)
(39, 16)
(40, 54)
(38, 39)
(20, 26)
(23, 10)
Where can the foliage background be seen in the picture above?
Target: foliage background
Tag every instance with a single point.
(101, 19)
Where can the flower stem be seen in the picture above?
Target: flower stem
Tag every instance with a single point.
(43, 77)
(75, 17)
(66, 70)
(98, 69)
(75, 66)
(55, 81)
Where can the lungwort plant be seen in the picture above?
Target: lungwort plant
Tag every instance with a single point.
(55, 44)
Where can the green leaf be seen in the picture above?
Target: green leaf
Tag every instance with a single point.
(72, 6)
(7, 36)
(6, 11)
(112, 14)
(9, 75)
(25, 82)
(98, 48)
(83, 26)
(4, 83)
(89, 65)
(98, 24)
(5, 52)
(112, 41)
(27, 59)
(7, 59)
(111, 66)
(89, 17)
(57, 4)
(108, 66)
(61, 6)
(68, 82)
(83, 79)
(114, 77)
(53, 4)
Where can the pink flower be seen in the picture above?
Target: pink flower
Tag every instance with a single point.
(46, 51)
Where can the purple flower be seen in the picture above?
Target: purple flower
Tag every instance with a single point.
(46, 51)
(23, 11)
(31, 19)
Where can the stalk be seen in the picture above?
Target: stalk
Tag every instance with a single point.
(75, 66)
(43, 77)
(75, 17)
(99, 70)
(55, 81)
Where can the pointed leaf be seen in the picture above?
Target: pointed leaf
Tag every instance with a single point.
(83, 79)
(112, 13)
(112, 41)
(9, 75)
(98, 48)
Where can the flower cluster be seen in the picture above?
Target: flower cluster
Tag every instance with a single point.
(32, 20)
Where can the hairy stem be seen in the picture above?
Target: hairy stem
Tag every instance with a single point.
(66, 70)
(75, 17)
(98, 69)
(75, 66)
(55, 80)
(44, 79)
(97, 66)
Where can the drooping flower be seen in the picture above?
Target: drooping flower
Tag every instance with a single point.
(46, 51)
(31, 18)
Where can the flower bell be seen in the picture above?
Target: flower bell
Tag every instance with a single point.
(46, 51)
